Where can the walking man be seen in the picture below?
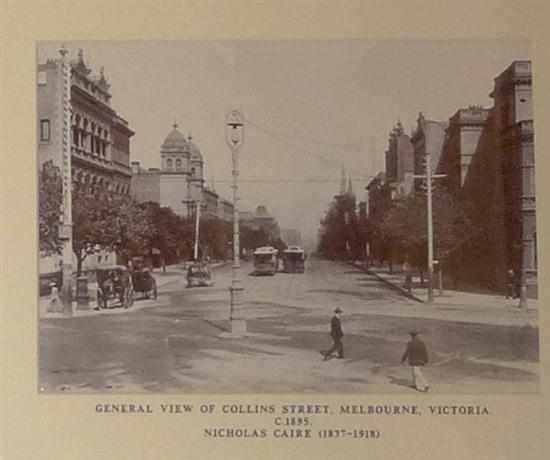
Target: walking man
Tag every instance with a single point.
(336, 333)
(417, 355)
(511, 284)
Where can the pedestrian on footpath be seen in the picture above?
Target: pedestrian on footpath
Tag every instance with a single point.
(417, 355)
(54, 304)
(511, 284)
(336, 333)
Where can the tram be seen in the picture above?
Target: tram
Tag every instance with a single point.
(265, 260)
(293, 259)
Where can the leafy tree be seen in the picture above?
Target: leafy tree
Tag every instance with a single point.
(214, 237)
(168, 231)
(134, 225)
(404, 227)
(50, 198)
(340, 233)
(94, 225)
(110, 222)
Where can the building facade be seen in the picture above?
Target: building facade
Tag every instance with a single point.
(465, 134)
(225, 210)
(427, 139)
(179, 182)
(399, 162)
(489, 161)
(99, 137)
(513, 118)
(210, 207)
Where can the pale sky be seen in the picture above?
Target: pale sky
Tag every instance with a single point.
(311, 107)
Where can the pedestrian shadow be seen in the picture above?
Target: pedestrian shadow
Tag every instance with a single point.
(217, 325)
(400, 381)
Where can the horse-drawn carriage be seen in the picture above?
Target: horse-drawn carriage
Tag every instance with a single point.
(145, 283)
(114, 287)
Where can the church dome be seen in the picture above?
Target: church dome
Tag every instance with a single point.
(175, 141)
(194, 150)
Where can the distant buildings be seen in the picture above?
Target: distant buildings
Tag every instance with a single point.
(399, 162)
(487, 155)
(179, 183)
(464, 135)
(261, 219)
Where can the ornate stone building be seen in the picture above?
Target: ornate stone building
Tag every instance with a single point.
(514, 127)
(99, 137)
(179, 183)
(489, 161)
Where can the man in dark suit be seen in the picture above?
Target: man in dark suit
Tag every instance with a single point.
(336, 333)
(416, 354)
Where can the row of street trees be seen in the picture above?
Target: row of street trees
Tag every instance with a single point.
(397, 232)
(117, 223)
(343, 234)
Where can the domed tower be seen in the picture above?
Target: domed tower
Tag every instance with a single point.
(196, 170)
(174, 172)
(175, 153)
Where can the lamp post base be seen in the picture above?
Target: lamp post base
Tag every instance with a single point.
(238, 324)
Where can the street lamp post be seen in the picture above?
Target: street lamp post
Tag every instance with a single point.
(234, 135)
(197, 207)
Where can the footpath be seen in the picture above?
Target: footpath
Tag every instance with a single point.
(457, 305)
(172, 274)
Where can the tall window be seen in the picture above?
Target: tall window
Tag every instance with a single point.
(45, 130)
(169, 163)
(178, 164)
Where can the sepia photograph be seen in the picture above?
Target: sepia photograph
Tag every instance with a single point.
(286, 216)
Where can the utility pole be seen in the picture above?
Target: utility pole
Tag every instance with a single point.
(234, 136)
(429, 176)
(197, 228)
(67, 217)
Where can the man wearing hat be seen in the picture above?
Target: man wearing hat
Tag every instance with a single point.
(336, 334)
(417, 355)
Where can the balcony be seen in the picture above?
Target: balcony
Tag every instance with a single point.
(91, 159)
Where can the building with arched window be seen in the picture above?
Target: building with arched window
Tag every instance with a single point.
(179, 182)
(99, 136)
(86, 125)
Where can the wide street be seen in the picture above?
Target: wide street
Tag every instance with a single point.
(180, 343)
